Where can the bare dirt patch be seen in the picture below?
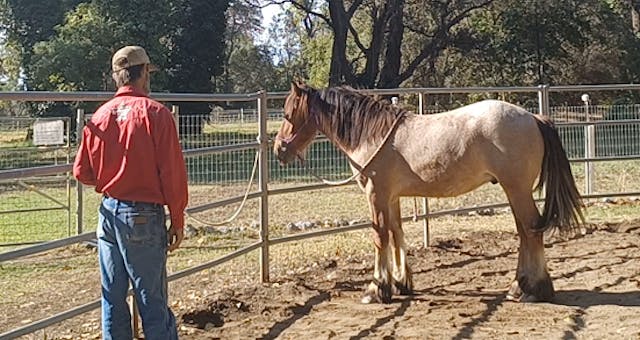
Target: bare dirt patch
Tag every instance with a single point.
(460, 284)
(460, 287)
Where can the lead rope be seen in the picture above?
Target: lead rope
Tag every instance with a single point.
(359, 172)
(244, 200)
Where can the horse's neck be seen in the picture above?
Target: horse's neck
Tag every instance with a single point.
(357, 156)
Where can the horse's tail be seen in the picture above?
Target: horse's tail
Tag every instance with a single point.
(562, 204)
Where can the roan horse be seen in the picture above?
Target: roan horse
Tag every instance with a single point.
(394, 153)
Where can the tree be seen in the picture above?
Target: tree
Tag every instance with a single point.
(26, 23)
(378, 29)
(515, 43)
(197, 47)
(248, 64)
(299, 52)
(78, 57)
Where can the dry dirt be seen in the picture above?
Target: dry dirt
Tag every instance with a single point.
(460, 286)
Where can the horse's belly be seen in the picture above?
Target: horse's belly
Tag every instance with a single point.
(447, 185)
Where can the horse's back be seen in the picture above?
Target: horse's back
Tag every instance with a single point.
(456, 151)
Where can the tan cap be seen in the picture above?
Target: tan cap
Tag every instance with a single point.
(130, 56)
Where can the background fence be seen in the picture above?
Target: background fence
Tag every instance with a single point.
(40, 208)
(221, 149)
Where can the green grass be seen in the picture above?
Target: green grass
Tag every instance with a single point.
(240, 128)
(14, 138)
(319, 205)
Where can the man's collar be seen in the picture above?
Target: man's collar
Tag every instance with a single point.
(129, 90)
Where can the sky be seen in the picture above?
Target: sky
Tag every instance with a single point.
(267, 17)
(268, 13)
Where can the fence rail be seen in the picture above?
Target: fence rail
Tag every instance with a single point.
(256, 139)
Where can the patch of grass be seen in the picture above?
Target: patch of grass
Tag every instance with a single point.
(14, 138)
(346, 202)
(241, 128)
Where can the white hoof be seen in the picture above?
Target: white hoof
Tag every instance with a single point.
(367, 299)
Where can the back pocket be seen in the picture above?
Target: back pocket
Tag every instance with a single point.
(143, 227)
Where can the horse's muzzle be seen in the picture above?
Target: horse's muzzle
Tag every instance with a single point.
(281, 150)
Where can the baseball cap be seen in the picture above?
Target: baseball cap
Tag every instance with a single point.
(130, 56)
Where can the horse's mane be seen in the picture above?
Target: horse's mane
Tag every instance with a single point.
(353, 117)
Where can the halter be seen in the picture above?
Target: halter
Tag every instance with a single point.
(290, 139)
(359, 168)
(366, 164)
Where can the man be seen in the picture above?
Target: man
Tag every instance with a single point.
(130, 152)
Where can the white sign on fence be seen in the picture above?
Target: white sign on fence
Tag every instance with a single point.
(48, 132)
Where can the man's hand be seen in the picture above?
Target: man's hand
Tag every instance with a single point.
(175, 237)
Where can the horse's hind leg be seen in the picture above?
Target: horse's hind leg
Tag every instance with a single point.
(532, 281)
(379, 289)
(402, 277)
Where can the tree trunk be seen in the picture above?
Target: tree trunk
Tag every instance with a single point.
(635, 15)
(389, 75)
(339, 68)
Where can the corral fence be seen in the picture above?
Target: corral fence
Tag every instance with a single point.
(242, 139)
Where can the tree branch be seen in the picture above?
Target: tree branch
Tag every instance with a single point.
(440, 38)
(352, 9)
(298, 5)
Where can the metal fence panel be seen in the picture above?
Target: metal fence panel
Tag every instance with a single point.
(230, 172)
(35, 209)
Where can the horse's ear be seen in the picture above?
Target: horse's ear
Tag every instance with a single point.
(296, 88)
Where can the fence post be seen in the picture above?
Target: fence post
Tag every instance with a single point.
(589, 147)
(263, 178)
(425, 200)
(79, 187)
(69, 175)
(547, 107)
(543, 99)
(175, 111)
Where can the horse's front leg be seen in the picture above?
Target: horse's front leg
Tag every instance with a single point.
(379, 289)
(402, 277)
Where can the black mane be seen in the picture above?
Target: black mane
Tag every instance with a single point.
(354, 118)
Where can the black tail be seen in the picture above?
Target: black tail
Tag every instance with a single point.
(562, 204)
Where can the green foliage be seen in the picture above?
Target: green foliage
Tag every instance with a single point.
(74, 60)
(250, 68)
(249, 65)
(524, 43)
(317, 56)
(205, 46)
(197, 47)
(27, 22)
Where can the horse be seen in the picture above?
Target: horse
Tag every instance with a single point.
(395, 153)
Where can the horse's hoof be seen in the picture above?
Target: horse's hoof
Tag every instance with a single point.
(403, 289)
(523, 290)
(377, 293)
(367, 299)
(514, 293)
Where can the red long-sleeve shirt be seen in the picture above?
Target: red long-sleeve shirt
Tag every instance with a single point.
(130, 151)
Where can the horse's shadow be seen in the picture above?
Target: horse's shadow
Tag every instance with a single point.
(589, 298)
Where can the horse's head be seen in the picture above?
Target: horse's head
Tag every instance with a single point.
(298, 128)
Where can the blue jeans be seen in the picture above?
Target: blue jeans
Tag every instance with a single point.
(132, 247)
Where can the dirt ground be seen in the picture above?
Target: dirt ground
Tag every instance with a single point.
(460, 288)
(460, 284)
